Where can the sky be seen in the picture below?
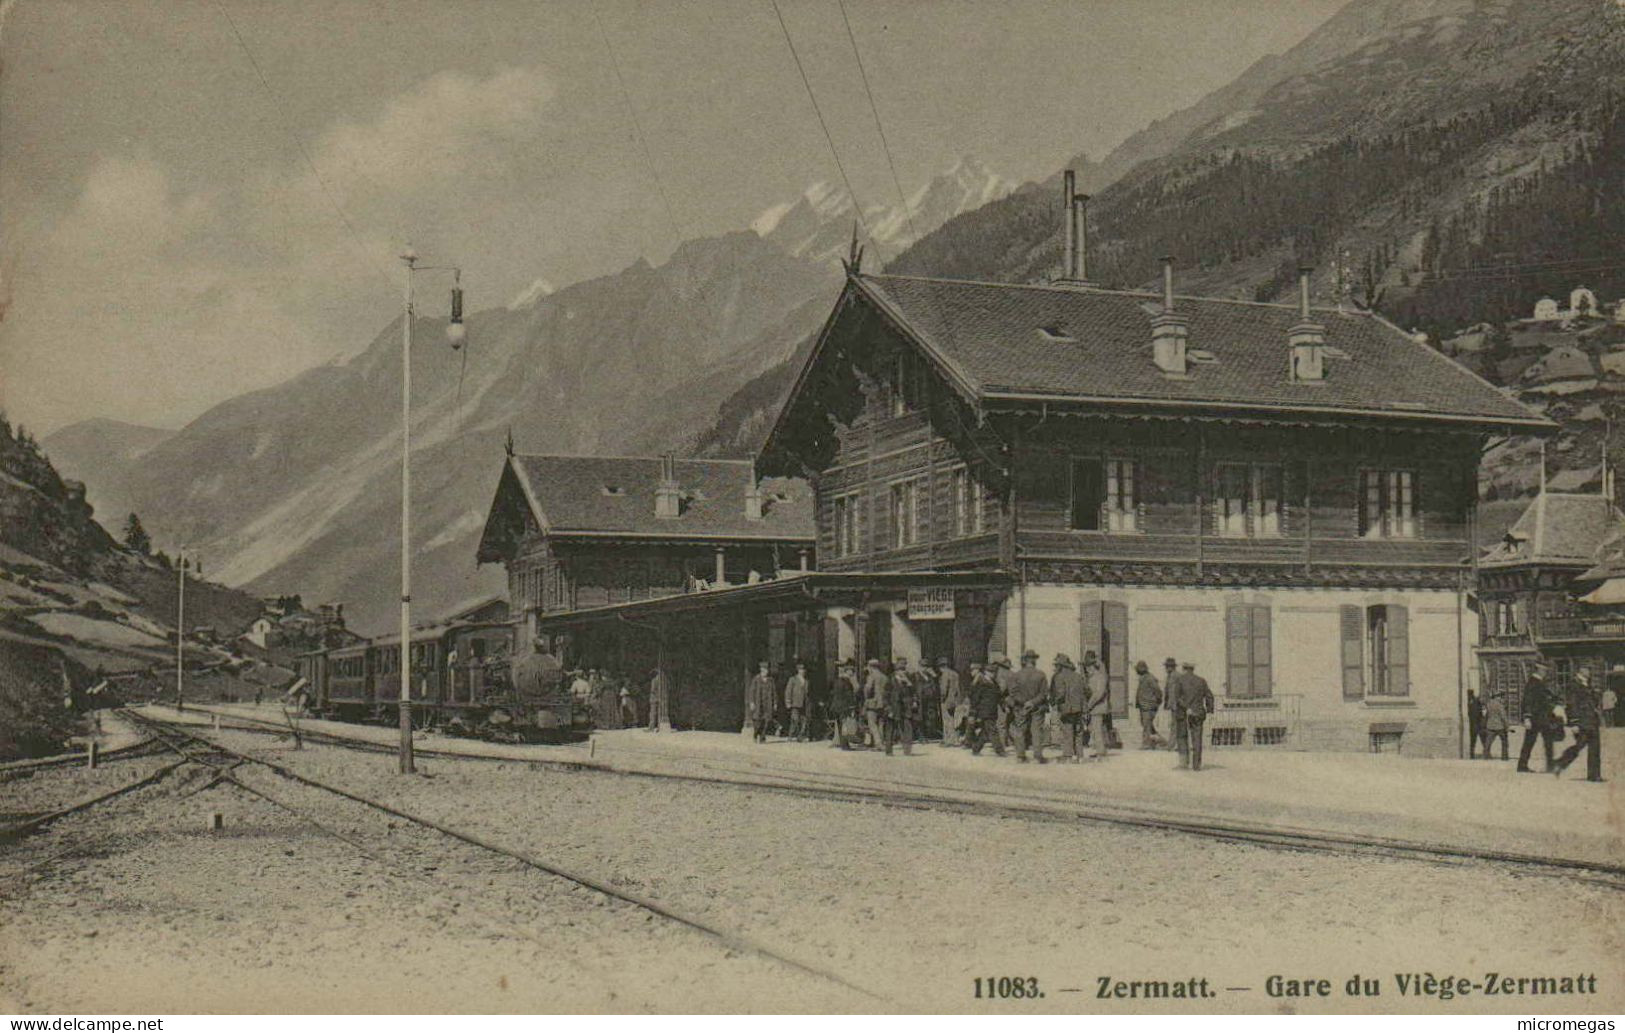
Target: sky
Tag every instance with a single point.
(200, 198)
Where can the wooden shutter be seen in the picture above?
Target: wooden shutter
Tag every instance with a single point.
(998, 636)
(1114, 623)
(1262, 655)
(1399, 651)
(1351, 622)
(1238, 650)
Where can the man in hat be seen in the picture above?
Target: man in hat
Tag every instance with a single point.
(659, 700)
(1029, 694)
(762, 697)
(1539, 717)
(1585, 714)
(1170, 675)
(983, 719)
(1147, 699)
(1070, 691)
(1100, 705)
(904, 714)
(929, 693)
(876, 703)
(953, 703)
(1001, 674)
(843, 697)
(1495, 725)
(795, 701)
(1195, 703)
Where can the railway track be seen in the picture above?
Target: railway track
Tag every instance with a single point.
(1045, 808)
(224, 762)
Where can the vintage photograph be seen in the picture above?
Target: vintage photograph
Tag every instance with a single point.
(1083, 507)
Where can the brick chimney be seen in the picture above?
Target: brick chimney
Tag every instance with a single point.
(1307, 364)
(668, 493)
(1168, 330)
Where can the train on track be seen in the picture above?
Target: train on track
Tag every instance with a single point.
(465, 678)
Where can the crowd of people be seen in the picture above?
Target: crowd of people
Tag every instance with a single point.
(1547, 715)
(1008, 707)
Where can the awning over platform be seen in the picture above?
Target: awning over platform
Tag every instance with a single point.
(1610, 592)
(803, 590)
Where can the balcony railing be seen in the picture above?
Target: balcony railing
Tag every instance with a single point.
(1256, 721)
(1600, 628)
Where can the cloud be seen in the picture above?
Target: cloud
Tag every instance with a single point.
(150, 302)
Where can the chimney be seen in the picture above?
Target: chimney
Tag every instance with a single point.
(753, 500)
(1074, 218)
(668, 494)
(1307, 338)
(1169, 331)
(1069, 251)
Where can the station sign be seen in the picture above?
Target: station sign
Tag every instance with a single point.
(931, 604)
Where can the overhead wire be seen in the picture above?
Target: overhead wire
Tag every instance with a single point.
(857, 207)
(327, 191)
(637, 128)
(885, 146)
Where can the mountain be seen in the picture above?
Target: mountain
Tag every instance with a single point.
(296, 488)
(1410, 150)
(818, 224)
(76, 607)
(97, 451)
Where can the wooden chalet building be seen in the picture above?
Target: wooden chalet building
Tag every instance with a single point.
(1283, 495)
(585, 536)
(1553, 590)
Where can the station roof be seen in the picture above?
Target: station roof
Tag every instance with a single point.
(1000, 344)
(614, 497)
(1558, 529)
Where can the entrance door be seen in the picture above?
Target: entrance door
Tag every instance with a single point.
(877, 637)
(1103, 627)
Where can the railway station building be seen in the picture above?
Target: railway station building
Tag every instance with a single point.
(1281, 494)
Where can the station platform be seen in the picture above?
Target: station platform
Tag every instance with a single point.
(1477, 804)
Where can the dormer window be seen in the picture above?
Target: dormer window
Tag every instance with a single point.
(613, 490)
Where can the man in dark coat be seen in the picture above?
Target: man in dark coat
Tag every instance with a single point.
(843, 699)
(795, 701)
(1475, 723)
(1539, 717)
(1070, 691)
(1029, 695)
(1195, 703)
(929, 691)
(904, 713)
(1585, 714)
(1147, 699)
(984, 710)
(1001, 673)
(763, 699)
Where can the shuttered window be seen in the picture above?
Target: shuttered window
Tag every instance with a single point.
(1103, 630)
(1351, 622)
(1088, 494)
(1247, 500)
(1247, 637)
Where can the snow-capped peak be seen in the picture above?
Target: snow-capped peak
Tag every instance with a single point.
(538, 290)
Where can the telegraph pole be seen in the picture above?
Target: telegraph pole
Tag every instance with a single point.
(407, 764)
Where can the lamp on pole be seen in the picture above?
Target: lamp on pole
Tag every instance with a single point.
(180, 630)
(454, 332)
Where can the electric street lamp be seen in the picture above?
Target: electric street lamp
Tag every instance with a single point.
(454, 332)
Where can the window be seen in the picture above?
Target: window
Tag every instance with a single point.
(845, 531)
(908, 384)
(908, 511)
(1247, 500)
(1504, 618)
(970, 514)
(1376, 651)
(1247, 639)
(1105, 495)
(1387, 504)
